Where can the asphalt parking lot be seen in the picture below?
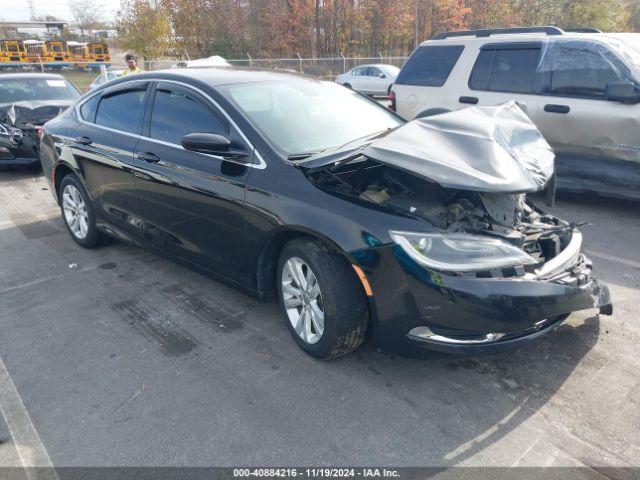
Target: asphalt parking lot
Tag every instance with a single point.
(117, 357)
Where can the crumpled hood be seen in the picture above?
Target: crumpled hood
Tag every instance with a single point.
(484, 149)
(37, 112)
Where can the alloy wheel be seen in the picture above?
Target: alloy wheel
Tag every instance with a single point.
(75, 212)
(302, 300)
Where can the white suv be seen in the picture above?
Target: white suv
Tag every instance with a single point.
(581, 88)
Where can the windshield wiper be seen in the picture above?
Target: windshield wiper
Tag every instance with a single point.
(300, 156)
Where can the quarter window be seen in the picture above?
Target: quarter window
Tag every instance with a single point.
(177, 113)
(122, 110)
(88, 108)
(430, 66)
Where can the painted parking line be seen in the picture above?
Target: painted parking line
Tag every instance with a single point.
(613, 258)
(24, 436)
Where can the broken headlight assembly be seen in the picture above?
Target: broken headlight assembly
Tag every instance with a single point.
(460, 252)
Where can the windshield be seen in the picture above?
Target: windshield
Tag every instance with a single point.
(304, 116)
(628, 45)
(18, 90)
(390, 70)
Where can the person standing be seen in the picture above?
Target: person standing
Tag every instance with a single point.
(132, 65)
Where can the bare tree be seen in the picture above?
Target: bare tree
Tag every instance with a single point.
(86, 13)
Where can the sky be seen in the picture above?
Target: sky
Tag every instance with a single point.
(18, 10)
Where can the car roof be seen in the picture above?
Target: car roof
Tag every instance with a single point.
(27, 76)
(522, 37)
(219, 76)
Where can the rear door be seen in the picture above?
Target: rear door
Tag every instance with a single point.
(192, 202)
(103, 146)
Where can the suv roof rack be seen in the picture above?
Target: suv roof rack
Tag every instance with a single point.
(582, 30)
(486, 32)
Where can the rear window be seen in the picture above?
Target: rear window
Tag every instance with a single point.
(505, 70)
(122, 110)
(430, 66)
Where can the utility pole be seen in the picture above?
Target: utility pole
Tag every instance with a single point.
(415, 32)
(32, 9)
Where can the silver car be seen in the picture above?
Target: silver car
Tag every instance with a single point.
(111, 75)
(370, 79)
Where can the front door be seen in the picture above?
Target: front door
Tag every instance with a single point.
(192, 202)
(596, 140)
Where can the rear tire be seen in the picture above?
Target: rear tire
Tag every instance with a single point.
(339, 300)
(77, 213)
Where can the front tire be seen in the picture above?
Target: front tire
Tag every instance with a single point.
(77, 212)
(322, 301)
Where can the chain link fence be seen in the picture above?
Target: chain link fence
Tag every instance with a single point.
(83, 74)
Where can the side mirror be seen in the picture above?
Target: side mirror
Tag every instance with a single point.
(213, 144)
(381, 75)
(624, 92)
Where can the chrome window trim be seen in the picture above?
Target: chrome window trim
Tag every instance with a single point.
(261, 165)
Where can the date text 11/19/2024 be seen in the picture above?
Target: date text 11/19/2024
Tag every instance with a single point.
(316, 472)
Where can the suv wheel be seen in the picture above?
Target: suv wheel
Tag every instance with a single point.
(77, 212)
(321, 299)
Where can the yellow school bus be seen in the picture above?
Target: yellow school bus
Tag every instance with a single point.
(12, 52)
(89, 55)
(51, 53)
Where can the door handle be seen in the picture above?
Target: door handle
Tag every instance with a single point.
(148, 157)
(553, 108)
(471, 100)
(83, 140)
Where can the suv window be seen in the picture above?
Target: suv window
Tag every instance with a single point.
(430, 66)
(577, 69)
(122, 110)
(505, 70)
(177, 112)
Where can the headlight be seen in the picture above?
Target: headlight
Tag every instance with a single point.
(459, 252)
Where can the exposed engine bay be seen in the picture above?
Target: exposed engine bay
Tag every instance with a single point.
(509, 216)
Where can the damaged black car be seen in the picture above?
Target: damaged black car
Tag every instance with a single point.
(417, 235)
(27, 101)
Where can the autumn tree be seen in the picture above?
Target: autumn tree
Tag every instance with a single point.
(144, 29)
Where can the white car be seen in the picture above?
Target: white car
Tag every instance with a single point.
(111, 75)
(213, 61)
(370, 79)
(581, 88)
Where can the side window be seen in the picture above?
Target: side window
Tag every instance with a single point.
(510, 70)
(88, 109)
(481, 73)
(578, 69)
(430, 66)
(177, 112)
(358, 71)
(373, 72)
(514, 70)
(122, 110)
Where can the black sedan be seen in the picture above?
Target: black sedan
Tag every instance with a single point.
(27, 101)
(418, 234)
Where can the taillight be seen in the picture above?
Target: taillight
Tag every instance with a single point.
(392, 98)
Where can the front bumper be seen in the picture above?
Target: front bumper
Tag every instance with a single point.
(416, 308)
